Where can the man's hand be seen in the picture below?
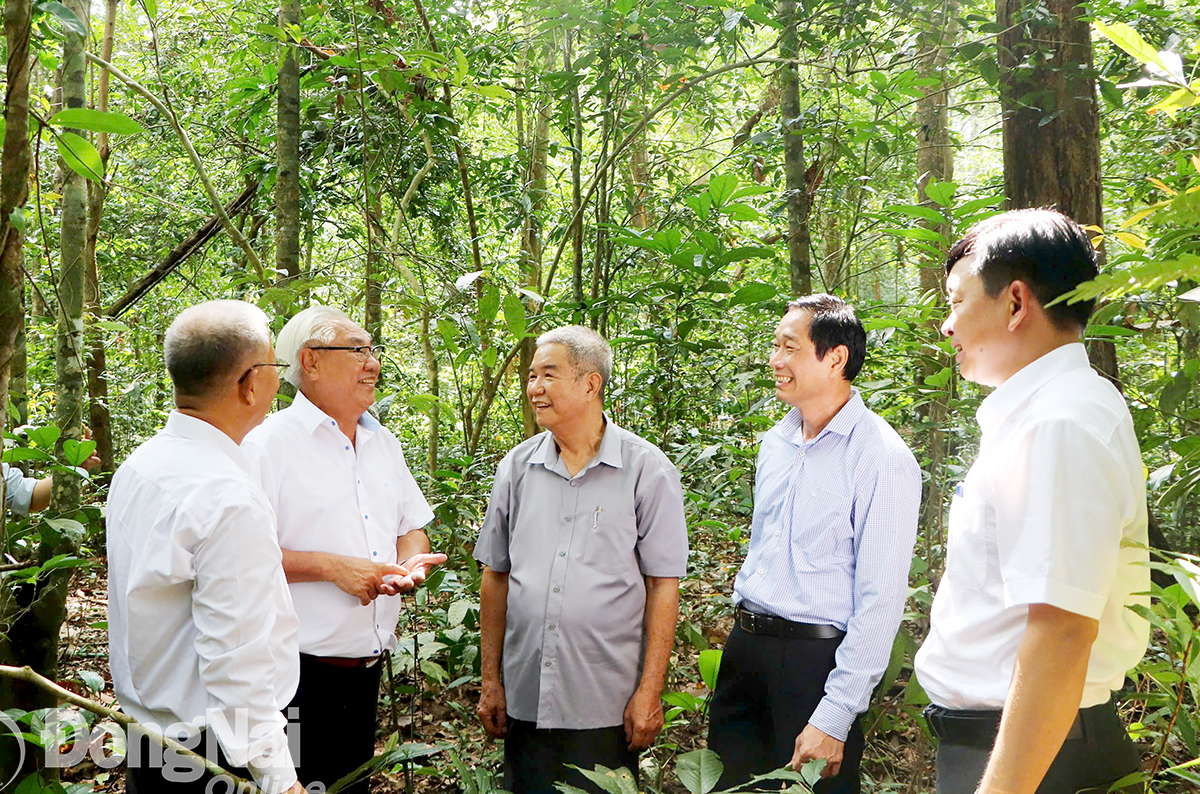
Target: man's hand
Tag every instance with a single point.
(93, 461)
(417, 568)
(492, 708)
(362, 578)
(643, 718)
(815, 743)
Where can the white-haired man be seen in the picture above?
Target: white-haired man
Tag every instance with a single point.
(202, 634)
(350, 517)
(584, 542)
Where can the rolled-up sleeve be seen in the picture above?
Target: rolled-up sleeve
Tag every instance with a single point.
(491, 549)
(18, 490)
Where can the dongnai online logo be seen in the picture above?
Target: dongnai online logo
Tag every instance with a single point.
(68, 739)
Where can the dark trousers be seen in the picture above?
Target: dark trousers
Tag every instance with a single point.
(335, 708)
(534, 757)
(1096, 753)
(154, 769)
(767, 689)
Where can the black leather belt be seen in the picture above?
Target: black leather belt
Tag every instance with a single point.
(772, 626)
(343, 661)
(978, 727)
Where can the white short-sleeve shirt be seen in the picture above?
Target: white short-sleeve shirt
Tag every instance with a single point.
(1046, 515)
(341, 498)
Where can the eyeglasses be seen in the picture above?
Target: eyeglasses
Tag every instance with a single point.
(282, 365)
(360, 351)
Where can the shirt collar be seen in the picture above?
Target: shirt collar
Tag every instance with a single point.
(311, 417)
(189, 427)
(842, 423)
(1008, 396)
(546, 452)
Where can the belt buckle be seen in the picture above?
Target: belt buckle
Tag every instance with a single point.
(751, 621)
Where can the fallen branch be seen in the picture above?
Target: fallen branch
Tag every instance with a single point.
(29, 676)
(179, 254)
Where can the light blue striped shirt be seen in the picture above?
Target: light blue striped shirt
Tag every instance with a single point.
(835, 520)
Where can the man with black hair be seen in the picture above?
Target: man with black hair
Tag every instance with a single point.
(1031, 629)
(820, 595)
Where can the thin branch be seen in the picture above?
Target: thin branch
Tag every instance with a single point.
(29, 676)
(214, 199)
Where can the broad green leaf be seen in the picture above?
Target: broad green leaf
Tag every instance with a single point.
(17, 218)
(514, 316)
(699, 770)
(460, 65)
(65, 15)
(3, 127)
(741, 212)
(941, 192)
(18, 454)
(96, 121)
(918, 211)
(77, 451)
(1183, 98)
(44, 437)
(1131, 41)
(80, 156)
(151, 8)
(811, 771)
(754, 292)
(457, 611)
(493, 91)
(93, 681)
(614, 781)
(939, 379)
(709, 664)
(721, 187)
(111, 325)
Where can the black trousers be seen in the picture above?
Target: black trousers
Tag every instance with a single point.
(1099, 753)
(767, 689)
(151, 768)
(534, 758)
(335, 708)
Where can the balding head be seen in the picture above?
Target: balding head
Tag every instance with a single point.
(208, 346)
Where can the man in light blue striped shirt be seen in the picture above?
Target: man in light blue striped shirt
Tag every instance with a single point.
(821, 592)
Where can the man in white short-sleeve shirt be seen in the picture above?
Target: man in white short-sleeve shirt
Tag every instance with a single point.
(350, 516)
(1031, 629)
(201, 630)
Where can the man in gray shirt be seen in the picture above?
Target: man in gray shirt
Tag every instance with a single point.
(583, 543)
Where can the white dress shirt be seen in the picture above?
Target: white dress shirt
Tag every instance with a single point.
(340, 498)
(1043, 517)
(18, 490)
(201, 629)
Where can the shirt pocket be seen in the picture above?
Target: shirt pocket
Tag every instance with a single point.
(966, 546)
(824, 519)
(611, 542)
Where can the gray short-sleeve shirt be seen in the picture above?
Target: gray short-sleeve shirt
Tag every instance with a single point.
(576, 551)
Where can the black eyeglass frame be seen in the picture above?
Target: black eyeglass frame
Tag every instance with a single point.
(362, 351)
(282, 365)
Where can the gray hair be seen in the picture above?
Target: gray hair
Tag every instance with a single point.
(587, 351)
(209, 342)
(315, 324)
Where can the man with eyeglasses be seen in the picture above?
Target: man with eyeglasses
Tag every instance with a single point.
(350, 517)
(201, 630)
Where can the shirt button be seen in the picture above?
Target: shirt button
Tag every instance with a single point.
(759, 572)
(365, 516)
(562, 554)
(556, 589)
(547, 664)
(574, 484)
(552, 627)
(776, 534)
(803, 453)
(566, 518)
(347, 447)
(374, 554)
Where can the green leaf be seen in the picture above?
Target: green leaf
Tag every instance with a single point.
(111, 325)
(77, 451)
(3, 127)
(1183, 98)
(514, 316)
(709, 664)
(941, 192)
(65, 15)
(96, 121)
(44, 437)
(1131, 41)
(93, 681)
(17, 219)
(489, 302)
(721, 187)
(699, 770)
(151, 7)
(17, 454)
(938, 379)
(918, 211)
(614, 781)
(493, 91)
(80, 156)
(754, 292)
(811, 772)
(457, 611)
(460, 66)
(741, 212)
(1174, 393)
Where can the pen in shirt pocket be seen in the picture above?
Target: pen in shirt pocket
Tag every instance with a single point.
(596, 517)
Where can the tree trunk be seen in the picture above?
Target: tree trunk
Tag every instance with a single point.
(287, 151)
(798, 206)
(576, 185)
(69, 346)
(98, 415)
(1052, 122)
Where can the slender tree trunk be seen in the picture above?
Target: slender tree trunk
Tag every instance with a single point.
(287, 150)
(69, 349)
(1052, 121)
(798, 206)
(98, 415)
(576, 183)
(833, 259)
